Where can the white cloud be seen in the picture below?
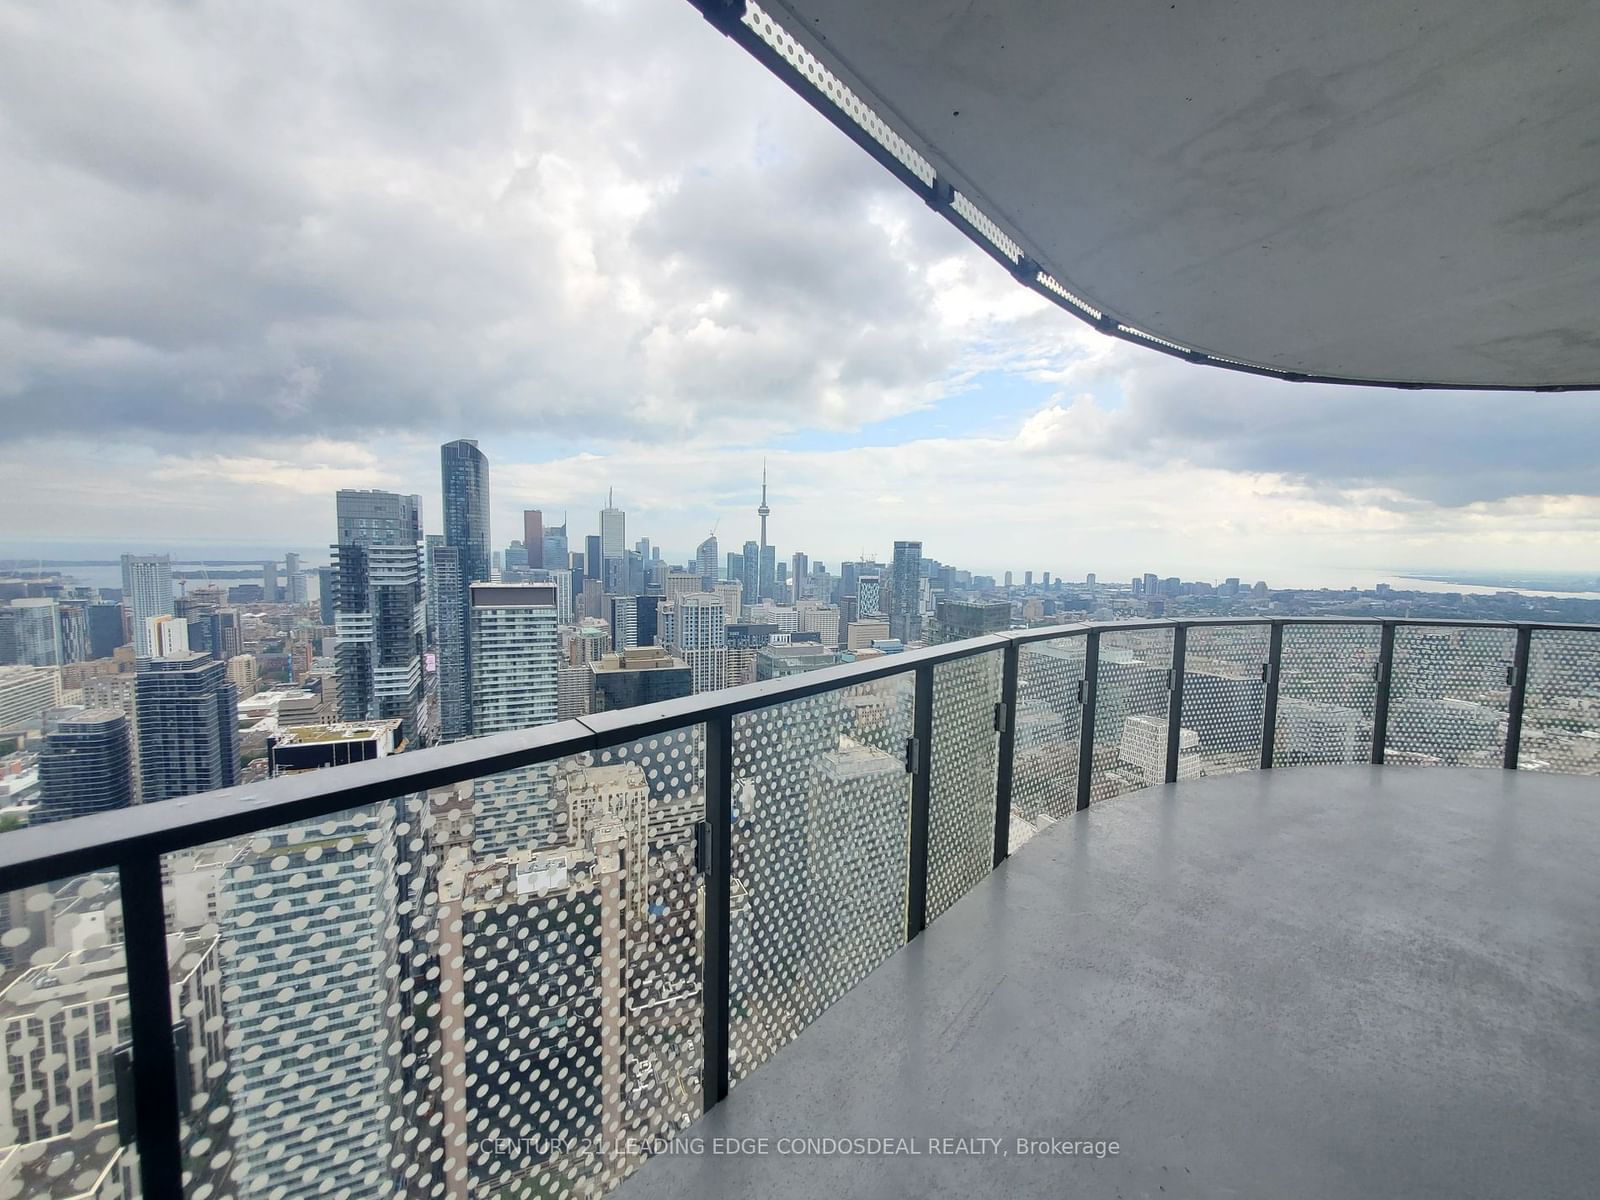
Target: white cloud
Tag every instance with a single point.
(985, 502)
(388, 218)
(258, 253)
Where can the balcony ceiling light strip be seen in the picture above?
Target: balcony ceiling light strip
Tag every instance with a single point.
(766, 37)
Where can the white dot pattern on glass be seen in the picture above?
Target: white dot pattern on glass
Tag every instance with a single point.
(1130, 711)
(1224, 699)
(1561, 716)
(1327, 690)
(1450, 696)
(962, 778)
(63, 1013)
(1044, 771)
(490, 989)
(821, 804)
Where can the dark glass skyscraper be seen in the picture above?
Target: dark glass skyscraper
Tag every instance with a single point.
(105, 629)
(556, 555)
(767, 573)
(379, 615)
(533, 537)
(905, 595)
(325, 590)
(464, 478)
(706, 562)
(74, 618)
(750, 561)
(188, 726)
(85, 765)
(444, 580)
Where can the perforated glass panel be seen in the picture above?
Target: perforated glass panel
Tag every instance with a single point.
(1451, 691)
(63, 1015)
(1044, 772)
(1561, 717)
(962, 782)
(1130, 712)
(821, 803)
(1327, 688)
(1224, 698)
(489, 989)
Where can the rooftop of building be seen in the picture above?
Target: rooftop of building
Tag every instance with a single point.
(34, 1168)
(513, 595)
(347, 731)
(93, 972)
(12, 673)
(975, 605)
(275, 699)
(798, 649)
(78, 714)
(640, 658)
(182, 661)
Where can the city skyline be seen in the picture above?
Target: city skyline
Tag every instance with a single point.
(1421, 577)
(1576, 577)
(703, 282)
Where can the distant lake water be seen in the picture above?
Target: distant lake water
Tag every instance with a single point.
(1362, 578)
(111, 577)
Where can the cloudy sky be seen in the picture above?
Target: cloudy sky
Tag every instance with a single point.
(258, 252)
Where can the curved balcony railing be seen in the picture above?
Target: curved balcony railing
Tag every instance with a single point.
(514, 965)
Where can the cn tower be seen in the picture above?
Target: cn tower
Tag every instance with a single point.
(763, 512)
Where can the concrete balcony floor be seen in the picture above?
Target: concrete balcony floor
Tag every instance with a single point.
(1312, 982)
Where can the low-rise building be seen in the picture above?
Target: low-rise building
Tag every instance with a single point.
(243, 672)
(282, 708)
(312, 747)
(25, 693)
(794, 658)
(860, 635)
(955, 620)
(643, 675)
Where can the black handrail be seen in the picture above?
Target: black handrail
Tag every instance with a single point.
(100, 841)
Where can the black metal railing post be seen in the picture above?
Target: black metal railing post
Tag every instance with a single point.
(155, 1059)
(1006, 751)
(718, 866)
(1180, 644)
(1091, 683)
(1380, 701)
(1519, 696)
(920, 760)
(1269, 708)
